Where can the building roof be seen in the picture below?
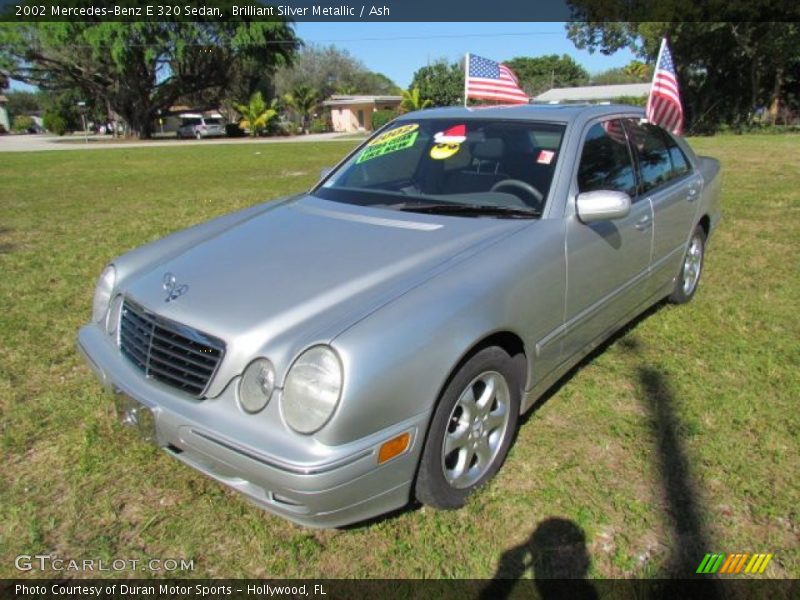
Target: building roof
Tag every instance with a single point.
(594, 93)
(341, 100)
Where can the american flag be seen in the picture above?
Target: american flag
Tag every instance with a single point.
(489, 80)
(664, 103)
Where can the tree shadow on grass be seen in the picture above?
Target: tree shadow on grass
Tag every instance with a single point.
(689, 536)
(690, 539)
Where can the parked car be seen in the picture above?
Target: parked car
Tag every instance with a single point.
(375, 339)
(197, 126)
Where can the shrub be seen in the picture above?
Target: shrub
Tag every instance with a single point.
(233, 130)
(54, 123)
(289, 128)
(22, 123)
(382, 117)
(319, 125)
(631, 100)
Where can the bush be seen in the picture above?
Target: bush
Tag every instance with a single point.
(320, 125)
(54, 123)
(22, 123)
(382, 117)
(233, 130)
(289, 128)
(631, 100)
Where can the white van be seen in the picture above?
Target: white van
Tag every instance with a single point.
(198, 126)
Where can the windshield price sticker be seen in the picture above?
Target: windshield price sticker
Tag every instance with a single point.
(393, 134)
(393, 144)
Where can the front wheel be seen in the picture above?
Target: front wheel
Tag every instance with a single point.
(689, 277)
(471, 431)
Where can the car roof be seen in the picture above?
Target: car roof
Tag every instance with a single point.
(560, 113)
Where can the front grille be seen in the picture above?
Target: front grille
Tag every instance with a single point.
(167, 351)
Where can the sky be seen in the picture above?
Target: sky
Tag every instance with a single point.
(399, 49)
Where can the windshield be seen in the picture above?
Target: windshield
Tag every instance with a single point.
(469, 164)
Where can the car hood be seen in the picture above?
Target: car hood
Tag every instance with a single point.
(306, 270)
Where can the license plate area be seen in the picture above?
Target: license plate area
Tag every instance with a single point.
(135, 415)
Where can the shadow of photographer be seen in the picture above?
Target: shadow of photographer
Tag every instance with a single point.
(557, 556)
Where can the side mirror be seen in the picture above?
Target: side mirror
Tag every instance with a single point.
(602, 205)
(324, 172)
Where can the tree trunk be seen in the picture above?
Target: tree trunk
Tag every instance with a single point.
(775, 104)
(141, 123)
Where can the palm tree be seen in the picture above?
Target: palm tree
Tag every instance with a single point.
(411, 101)
(256, 115)
(303, 100)
(637, 69)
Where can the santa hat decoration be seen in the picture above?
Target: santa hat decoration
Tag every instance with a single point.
(454, 135)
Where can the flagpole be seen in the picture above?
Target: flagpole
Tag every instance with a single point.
(466, 73)
(655, 74)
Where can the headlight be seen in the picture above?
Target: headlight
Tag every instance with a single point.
(312, 388)
(256, 385)
(102, 293)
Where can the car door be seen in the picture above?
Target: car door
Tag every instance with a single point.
(673, 187)
(607, 261)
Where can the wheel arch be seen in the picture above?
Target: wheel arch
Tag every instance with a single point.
(507, 340)
(705, 223)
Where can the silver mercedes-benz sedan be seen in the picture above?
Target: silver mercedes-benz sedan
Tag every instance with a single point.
(374, 340)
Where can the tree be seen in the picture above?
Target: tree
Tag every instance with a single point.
(140, 68)
(331, 70)
(539, 74)
(303, 100)
(754, 70)
(638, 70)
(256, 115)
(440, 83)
(412, 101)
(22, 103)
(634, 72)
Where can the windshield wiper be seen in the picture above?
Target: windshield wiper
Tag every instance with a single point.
(467, 210)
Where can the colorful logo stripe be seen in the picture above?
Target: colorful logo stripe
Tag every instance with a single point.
(731, 564)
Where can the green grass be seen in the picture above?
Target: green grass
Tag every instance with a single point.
(682, 433)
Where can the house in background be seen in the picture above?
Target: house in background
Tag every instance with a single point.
(354, 113)
(4, 122)
(594, 93)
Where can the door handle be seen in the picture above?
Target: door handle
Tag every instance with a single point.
(692, 195)
(644, 223)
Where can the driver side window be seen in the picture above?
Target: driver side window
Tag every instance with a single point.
(606, 162)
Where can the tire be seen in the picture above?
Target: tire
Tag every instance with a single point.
(691, 269)
(471, 430)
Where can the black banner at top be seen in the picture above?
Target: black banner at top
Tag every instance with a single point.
(399, 10)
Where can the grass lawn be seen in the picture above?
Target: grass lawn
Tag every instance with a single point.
(684, 431)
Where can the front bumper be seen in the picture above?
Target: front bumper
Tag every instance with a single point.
(290, 475)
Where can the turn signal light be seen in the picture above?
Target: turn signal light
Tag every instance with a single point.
(394, 447)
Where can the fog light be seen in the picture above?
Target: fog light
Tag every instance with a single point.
(394, 447)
